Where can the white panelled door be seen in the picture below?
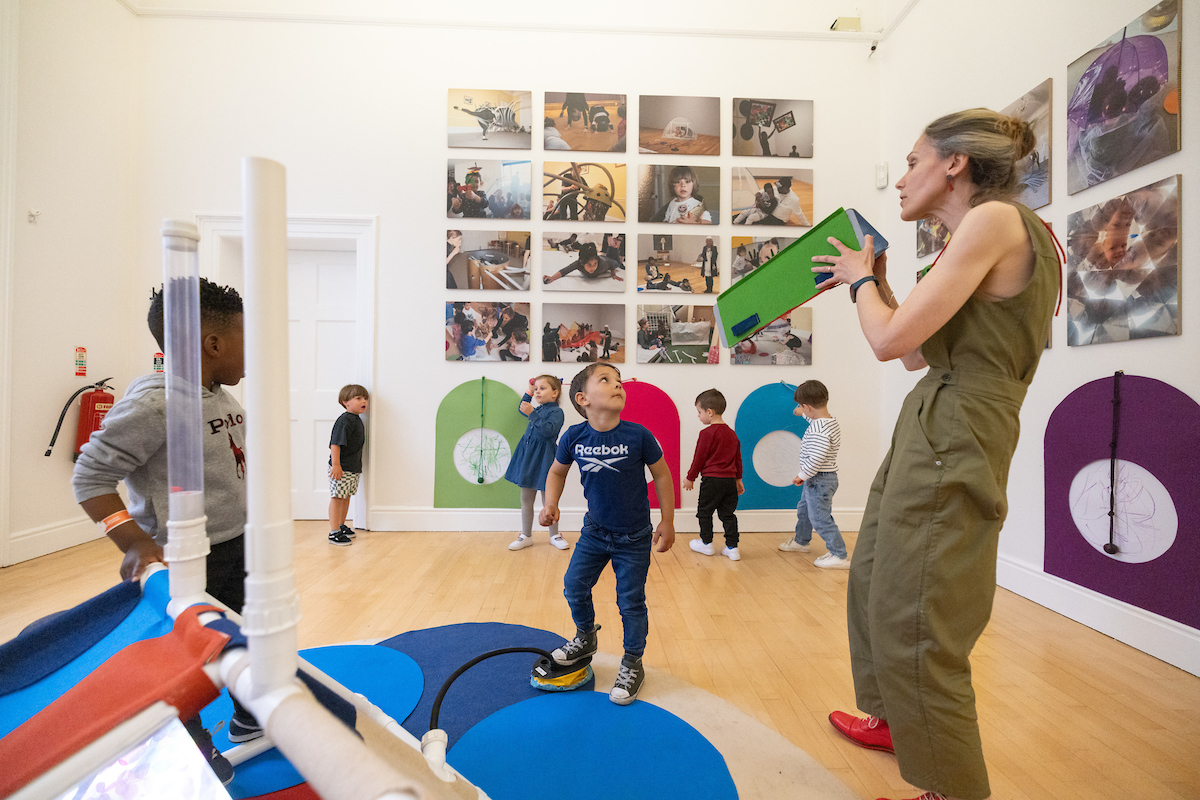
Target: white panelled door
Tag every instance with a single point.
(322, 328)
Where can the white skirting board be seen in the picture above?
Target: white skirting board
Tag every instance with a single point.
(46, 539)
(1165, 639)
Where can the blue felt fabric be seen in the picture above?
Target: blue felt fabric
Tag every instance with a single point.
(482, 690)
(389, 679)
(54, 641)
(604, 750)
(147, 620)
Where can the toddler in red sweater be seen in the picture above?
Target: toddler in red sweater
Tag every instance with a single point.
(719, 460)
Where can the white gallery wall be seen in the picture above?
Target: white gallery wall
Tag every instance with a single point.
(123, 120)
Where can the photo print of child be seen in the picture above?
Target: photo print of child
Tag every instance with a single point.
(1123, 107)
(489, 118)
(674, 334)
(686, 126)
(583, 262)
(487, 331)
(678, 264)
(772, 127)
(583, 332)
(487, 189)
(584, 121)
(932, 236)
(680, 194)
(1123, 267)
(583, 191)
(487, 260)
(750, 253)
(772, 196)
(1034, 170)
(787, 342)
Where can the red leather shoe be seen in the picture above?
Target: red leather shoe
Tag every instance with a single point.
(871, 733)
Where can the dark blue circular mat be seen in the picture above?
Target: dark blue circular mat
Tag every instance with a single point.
(581, 744)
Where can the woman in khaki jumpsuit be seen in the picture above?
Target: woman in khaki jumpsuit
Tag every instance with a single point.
(924, 568)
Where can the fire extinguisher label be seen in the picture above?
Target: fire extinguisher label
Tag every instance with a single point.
(81, 362)
(158, 362)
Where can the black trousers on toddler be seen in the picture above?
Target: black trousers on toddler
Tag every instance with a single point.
(719, 495)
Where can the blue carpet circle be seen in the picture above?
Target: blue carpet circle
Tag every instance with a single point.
(543, 746)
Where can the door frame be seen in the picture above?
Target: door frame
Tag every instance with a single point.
(220, 261)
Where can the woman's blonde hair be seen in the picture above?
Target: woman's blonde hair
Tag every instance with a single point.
(993, 144)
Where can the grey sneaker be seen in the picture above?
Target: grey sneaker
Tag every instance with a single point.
(792, 546)
(584, 645)
(629, 681)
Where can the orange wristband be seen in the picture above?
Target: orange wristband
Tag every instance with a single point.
(115, 520)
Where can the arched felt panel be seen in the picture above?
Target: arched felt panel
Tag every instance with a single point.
(1159, 432)
(648, 405)
(609, 751)
(767, 409)
(458, 414)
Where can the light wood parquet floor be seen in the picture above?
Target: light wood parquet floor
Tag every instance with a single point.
(1065, 712)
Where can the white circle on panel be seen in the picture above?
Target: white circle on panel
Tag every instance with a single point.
(481, 453)
(777, 457)
(1146, 520)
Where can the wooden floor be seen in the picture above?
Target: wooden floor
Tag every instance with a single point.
(704, 144)
(1066, 713)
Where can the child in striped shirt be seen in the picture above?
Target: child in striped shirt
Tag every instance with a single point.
(818, 475)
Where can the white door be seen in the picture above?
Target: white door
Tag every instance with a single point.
(323, 344)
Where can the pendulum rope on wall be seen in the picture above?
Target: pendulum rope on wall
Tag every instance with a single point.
(483, 405)
(1111, 548)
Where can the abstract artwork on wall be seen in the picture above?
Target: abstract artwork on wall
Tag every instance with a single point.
(650, 406)
(477, 428)
(770, 435)
(1034, 170)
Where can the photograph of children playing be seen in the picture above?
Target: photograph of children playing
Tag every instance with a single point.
(772, 127)
(487, 189)
(583, 262)
(487, 259)
(583, 190)
(686, 264)
(583, 332)
(489, 118)
(680, 194)
(674, 334)
(750, 253)
(686, 126)
(487, 331)
(786, 341)
(584, 121)
(772, 196)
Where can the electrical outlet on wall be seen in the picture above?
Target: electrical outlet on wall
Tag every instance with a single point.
(881, 176)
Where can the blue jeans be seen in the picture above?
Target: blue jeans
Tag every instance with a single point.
(630, 557)
(815, 510)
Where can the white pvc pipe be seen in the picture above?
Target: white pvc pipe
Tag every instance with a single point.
(272, 607)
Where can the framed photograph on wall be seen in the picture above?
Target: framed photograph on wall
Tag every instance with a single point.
(674, 334)
(487, 331)
(751, 252)
(677, 264)
(763, 196)
(772, 127)
(583, 332)
(487, 189)
(1034, 178)
(785, 342)
(1123, 267)
(1123, 110)
(584, 121)
(932, 236)
(583, 262)
(686, 126)
(583, 190)
(487, 260)
(679, 194)
(489, 118)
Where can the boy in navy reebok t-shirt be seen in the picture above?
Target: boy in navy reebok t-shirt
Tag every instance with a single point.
(613, 456)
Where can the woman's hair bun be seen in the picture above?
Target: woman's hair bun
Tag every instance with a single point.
(1020, 132)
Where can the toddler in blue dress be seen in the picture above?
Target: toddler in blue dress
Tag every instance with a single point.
(535, 454)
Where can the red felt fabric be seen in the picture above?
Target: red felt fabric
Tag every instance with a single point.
(301, 791)
(167, 668)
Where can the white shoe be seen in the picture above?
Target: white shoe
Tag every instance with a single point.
(733, 553)
(792, 546)
(830, 561)
(701, 547)
(521, 543)
(558, 541)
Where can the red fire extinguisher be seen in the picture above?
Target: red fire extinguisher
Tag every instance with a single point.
(93, 407)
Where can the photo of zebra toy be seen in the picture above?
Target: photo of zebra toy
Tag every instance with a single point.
(495, 118)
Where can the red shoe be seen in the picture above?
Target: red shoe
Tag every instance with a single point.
(871, 733)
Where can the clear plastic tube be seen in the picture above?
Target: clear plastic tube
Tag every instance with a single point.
(181, 282)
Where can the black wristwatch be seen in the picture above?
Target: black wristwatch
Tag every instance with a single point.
(854, 286)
